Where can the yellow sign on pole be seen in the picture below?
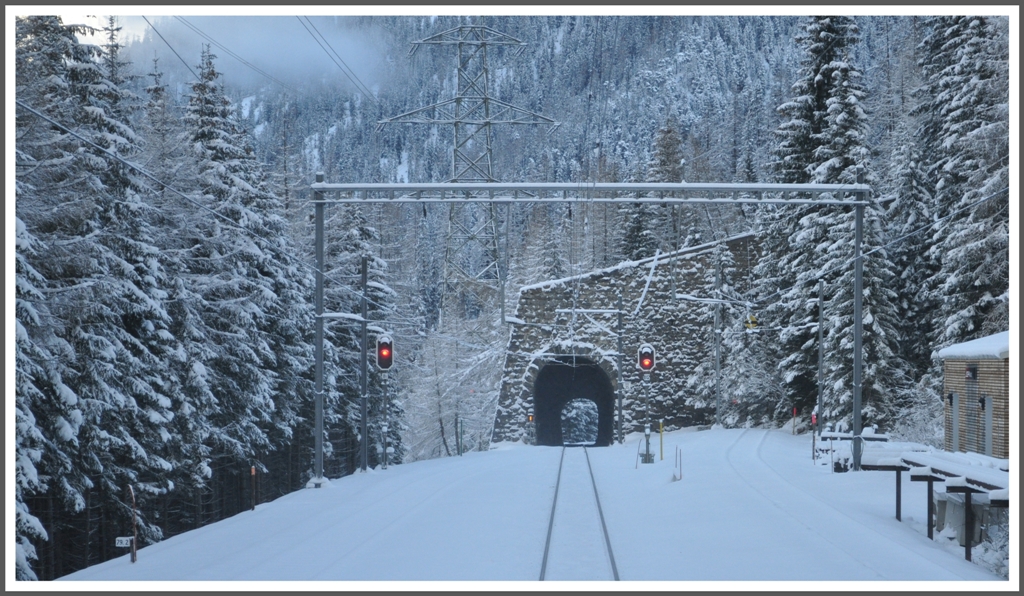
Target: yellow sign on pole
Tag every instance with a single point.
(751, 322)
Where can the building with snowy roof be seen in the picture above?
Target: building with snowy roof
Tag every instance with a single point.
(976, 386)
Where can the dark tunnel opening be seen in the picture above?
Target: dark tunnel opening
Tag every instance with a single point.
(563, 381)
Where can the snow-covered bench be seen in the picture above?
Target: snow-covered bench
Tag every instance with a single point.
(962, 473)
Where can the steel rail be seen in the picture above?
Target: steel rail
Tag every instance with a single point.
(600, 513)
(551, 521)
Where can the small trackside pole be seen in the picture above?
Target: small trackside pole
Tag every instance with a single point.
(648, 457)
(661, 438)
(814, 442)
(252, 473)
(135, 532)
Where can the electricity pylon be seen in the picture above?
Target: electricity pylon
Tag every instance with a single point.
(473, 269)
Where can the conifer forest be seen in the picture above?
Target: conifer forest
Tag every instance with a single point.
(164, 235)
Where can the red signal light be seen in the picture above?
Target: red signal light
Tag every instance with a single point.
(645, 358)
(385, 352)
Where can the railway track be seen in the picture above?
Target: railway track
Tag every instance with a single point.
(577, 546)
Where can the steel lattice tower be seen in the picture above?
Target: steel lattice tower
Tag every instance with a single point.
(472, 263)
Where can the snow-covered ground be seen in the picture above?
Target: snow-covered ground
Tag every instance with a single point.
(750, 507)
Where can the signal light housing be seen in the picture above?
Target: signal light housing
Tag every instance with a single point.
(645, 358)
(385, 352)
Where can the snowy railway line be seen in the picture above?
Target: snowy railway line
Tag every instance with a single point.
(750, 506)
(577, 515)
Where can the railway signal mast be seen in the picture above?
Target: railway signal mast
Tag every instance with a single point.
(645, 360)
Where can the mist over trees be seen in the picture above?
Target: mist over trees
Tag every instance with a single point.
(164, 321)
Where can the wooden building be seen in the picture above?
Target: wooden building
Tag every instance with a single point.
(976, 392)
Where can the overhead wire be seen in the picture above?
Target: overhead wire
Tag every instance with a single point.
(172, 48)
(232, 54)
(346, 69)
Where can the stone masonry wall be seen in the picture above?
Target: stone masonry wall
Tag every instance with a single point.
(550, 322)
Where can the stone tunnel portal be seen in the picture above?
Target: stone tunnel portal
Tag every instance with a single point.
(562, 381)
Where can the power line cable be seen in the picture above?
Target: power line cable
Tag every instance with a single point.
(344, 69)
(172, 49)
(232, 54)
(359, 82)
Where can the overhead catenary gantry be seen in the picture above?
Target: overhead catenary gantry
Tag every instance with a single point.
(596, 192)
(849, 195)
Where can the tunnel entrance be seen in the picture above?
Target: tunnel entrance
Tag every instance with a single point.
(562, 383)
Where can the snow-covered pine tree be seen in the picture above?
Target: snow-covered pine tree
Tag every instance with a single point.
(824, 141)
(102, 278)
(666, 165)
(546, 245)
(907, 218)
(49, 173)
(234, 265)
(47, 417)
(350, 238)
(795, 238)
(918, 393)
(966, 124)
(638, 238)
(124, 441)
(164, 153)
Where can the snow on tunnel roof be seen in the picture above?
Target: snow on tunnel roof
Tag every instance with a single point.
(657, 259)
(993, 346)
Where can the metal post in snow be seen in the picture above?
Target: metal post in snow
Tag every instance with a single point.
(931, 507)
(363, 374)
(135, 532)
(384, 429)
(986, 405)
(821, 349)
(252, 473)
(968, 523)
(318, 301)
(718, 346)
(858, 322)
(458, 436)
(899, 493)
(503, 264)
(619, 365)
